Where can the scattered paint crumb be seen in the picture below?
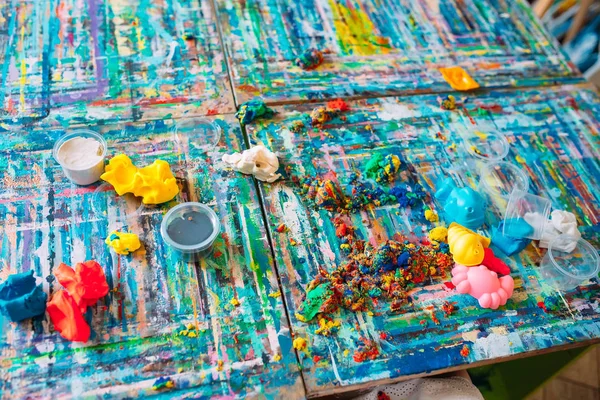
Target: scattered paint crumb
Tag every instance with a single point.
(431, 216)
(191, 327)
(277, 357)
(179, 370)
(192, 334)
(346, 353)
(163, 383)
(281, 228)
(220, 365)
(465, 351)
(338, 105)
(293, 242)
(299, 343)
(275, 294)
(234, 302)
(367, 351)
(449, 103)
(326, 327)
(448, 308)
(316, 359)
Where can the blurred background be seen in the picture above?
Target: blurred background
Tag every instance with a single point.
(576, 25)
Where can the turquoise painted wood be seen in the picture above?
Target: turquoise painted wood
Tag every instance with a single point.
(553, 137)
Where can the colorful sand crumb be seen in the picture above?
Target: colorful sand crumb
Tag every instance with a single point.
(234, 302)
(431, 216)
(367, 351)
(163, 383)
(326, 327)
(387, 272)
(465, 351)
(299, 344)
(309, 59)
(276, 358)
(438, 234)
(281, 228)
(449, 103)
(321, 115)
(407, 196)
(448, 308)
(297, 126)
(253, 109)
(220, 364)
(123, 243)
(338, 105)
(324, 193)
(383, 169)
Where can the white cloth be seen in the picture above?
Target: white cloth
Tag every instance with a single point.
(454, 388)
(561, 222)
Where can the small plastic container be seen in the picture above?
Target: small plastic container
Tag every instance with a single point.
(500, 178)
(566, 270)
(190, 229)
(205, 134)
(526, 215)
(81, 169)
(486, 146)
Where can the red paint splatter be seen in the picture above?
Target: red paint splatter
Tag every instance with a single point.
(218, 253)
(542, 306)
(448, 308)
(316, 359)
(383, 336)
(449, 285)
(338, 105)
(212, 111)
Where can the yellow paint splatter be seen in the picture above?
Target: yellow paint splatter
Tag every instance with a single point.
(355, 30)
(276, 358)
(275, 294)
(234, 302)
(220, 365)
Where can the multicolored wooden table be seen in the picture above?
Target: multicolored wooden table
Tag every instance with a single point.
(554, 137)
(377, 48)
(140, 330)
(142, 72)
(97, 61)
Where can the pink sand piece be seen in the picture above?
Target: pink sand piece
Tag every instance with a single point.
(483, 284)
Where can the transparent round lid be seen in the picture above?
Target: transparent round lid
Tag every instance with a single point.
(500, 178)
(488, 146)
(580, 263)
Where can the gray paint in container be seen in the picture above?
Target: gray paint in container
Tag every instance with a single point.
(190, 228)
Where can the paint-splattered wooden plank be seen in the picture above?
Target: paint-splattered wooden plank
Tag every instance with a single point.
(554, 137)
(383, 47)
(106, 60)
(238, 350)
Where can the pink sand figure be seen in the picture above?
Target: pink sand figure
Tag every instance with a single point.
(483, 284)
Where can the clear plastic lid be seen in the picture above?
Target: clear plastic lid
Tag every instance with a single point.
(500, 178)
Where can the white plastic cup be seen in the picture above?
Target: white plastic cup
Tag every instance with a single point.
(190, 251)
(84, 174)
(566, 270)
(527, 208)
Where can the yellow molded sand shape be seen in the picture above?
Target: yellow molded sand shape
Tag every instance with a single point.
(120, 172)
(155, 183)
(466, 246)
(123, 243)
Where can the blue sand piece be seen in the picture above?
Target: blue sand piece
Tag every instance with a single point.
(517, 228)
(507, 244)
(20, 298)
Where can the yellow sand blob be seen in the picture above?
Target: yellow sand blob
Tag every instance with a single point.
(299, 343)
(438, 234)
(155, 183)
(431, 216)
(123, 243)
